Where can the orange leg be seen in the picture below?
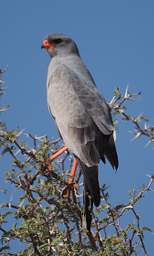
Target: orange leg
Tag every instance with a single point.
(73, 171)
(57, 153)
(74, 167)
(70, 183)
(60, 152)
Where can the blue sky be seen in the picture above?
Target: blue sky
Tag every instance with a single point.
(116, 41)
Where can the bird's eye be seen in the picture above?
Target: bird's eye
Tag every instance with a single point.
(57, 41)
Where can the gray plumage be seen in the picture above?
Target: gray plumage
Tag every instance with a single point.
(82, 115)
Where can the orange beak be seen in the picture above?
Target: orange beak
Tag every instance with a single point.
(47, 45)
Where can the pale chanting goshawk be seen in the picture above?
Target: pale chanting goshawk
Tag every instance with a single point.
(82, 115)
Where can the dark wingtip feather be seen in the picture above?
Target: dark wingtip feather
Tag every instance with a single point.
(114, 161)
(111, 153)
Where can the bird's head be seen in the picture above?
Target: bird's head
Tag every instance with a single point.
(59, 44)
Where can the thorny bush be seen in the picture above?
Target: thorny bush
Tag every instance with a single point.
(40, 221)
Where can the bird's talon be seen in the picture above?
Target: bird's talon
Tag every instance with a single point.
(71, 186)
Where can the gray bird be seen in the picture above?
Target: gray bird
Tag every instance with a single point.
(82, 115)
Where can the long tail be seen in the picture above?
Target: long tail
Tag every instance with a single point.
(91, 191)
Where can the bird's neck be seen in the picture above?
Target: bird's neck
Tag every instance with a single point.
(75, 63)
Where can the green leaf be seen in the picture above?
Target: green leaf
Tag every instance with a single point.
(117, 92)
(147, 229)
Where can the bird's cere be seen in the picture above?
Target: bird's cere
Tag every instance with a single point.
(46, 44)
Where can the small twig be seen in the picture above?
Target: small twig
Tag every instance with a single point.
(139, 231)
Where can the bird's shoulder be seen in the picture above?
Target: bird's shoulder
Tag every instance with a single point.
(71, 75)
(70, 66)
